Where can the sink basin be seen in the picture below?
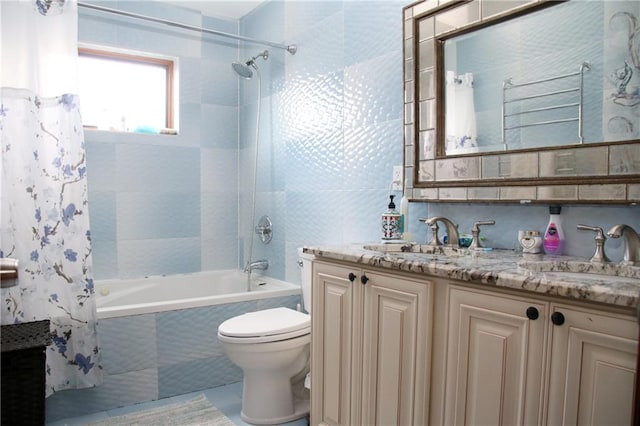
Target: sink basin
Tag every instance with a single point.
(590, 276)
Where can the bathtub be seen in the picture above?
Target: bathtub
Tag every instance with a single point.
(158, 336)
(118, 298)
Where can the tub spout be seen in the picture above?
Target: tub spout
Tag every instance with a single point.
(631, 242)
(261, 265)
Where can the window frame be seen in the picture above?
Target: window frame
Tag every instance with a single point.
(168, 64)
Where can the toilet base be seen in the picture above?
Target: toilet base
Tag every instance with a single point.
(275, 402)
(301, 409)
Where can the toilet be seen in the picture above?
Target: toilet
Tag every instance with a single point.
(272, 347)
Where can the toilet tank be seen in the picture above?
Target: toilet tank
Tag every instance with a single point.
(306, 277)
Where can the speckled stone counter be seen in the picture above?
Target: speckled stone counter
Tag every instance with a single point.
(612, 284)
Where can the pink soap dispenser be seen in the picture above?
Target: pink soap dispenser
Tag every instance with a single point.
(553, 241)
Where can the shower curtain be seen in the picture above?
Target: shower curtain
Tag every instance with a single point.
(460, 117)
(44, 220)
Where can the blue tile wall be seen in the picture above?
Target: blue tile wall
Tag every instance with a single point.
(330, 133)
(154, 199)
(336, 124)
(336, 116)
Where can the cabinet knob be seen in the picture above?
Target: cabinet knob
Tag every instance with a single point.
(352, 276)
(532, 313)
(557, 318)
(364, 279)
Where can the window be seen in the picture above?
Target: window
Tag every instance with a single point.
(125, 92)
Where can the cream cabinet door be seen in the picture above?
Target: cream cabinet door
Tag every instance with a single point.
(396, 348)
(495, 358)
(593, 368)
(334, 344)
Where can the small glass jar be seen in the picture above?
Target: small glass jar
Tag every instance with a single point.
(531, 242)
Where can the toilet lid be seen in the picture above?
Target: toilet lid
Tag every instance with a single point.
(268, 322)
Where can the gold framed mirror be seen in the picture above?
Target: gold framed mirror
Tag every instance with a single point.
(580, 147)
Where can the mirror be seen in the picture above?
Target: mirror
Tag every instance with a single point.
(529, 101)
(512, 86)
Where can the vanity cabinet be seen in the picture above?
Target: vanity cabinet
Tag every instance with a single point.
(495, 359)
(592, 367)
(390, 348)
(370, 350)
(519, 360)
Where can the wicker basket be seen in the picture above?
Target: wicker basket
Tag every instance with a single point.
(23, 373)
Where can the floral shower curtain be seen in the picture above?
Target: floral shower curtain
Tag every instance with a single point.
(460, 116)
(44, 220)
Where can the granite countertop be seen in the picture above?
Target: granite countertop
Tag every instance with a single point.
(611, 283)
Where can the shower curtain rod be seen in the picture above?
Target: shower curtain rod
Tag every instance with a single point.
(291, 48)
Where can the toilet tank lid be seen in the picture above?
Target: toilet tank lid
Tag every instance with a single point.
(267, 322)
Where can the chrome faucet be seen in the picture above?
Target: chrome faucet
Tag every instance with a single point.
(631, 242)
(260, 265)
(452, 230)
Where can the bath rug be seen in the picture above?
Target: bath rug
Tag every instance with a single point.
(197, 412)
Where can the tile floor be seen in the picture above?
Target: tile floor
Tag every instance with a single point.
(227, 399)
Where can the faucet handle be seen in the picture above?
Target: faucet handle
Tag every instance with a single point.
(599, 232)
(475, 232)
(435, 241)
(598, 256)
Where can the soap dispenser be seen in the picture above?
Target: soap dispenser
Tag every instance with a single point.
(391, 223)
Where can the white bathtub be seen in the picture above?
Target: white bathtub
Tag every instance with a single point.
(118, 298)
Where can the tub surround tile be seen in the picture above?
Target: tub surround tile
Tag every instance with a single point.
(146, 215)
(105, 259)
(219, 126)
(288, 302)
(104, 223)
(188, 335)
(158, 256)
(198, 374)
(101, 161)
(501, 268)
(219, 82)
(153, 168)
(218, 216)
(213, 258)
(119, 337)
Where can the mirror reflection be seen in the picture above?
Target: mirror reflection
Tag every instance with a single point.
(564, 75)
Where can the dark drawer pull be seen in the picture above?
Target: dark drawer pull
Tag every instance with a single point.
(532, 313)
(557, 318)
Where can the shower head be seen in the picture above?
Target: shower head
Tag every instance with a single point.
(244, 69)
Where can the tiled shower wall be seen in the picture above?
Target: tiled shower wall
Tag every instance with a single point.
(168, 204)
(330, 133)
(332, 125)
(334, 133)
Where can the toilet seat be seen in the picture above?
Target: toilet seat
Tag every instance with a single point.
(269, 325)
